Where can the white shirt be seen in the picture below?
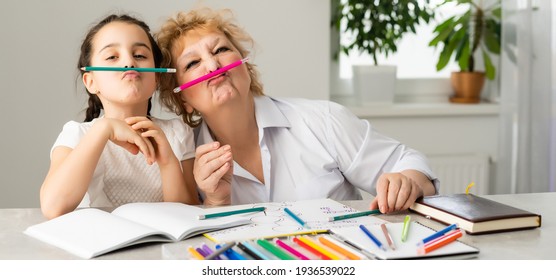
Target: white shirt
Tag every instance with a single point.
(121, 177)
(317, 149)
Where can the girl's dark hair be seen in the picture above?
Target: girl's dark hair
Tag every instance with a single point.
(95, 106)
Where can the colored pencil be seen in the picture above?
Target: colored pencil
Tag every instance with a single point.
(220, 250)
(439, 242)
(338, 248)
(405, 229)
(310, 249)
(295, 217)
(123, 69)
(229, 213)
(437, 234)
(248, 251)
(319, 248)
(372, 237)
(254, 250)
(387, 236)
(195, 254)
(281, 254)
(354, 215)
(290, 249)
(210, 75)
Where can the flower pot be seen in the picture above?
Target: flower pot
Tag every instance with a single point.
(374, 84)
(467, 86)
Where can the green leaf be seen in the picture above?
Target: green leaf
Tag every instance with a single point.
(490, 71)
(492, 42)
(464, 51)
(444, 32)
(497, 13)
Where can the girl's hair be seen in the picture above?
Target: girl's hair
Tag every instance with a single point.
(95, 106)
(203, 19)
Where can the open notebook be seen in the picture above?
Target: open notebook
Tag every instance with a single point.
(92, 232)
(407, 249)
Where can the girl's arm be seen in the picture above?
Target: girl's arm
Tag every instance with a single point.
(71, 170)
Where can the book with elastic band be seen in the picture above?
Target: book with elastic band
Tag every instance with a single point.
(475, 214)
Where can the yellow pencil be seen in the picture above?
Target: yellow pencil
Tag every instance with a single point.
(309, 232)
(338, 248)
(195, 254)
(319, 248)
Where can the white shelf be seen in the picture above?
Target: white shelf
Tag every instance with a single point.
(438, 109)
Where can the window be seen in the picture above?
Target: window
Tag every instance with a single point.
(415, 59)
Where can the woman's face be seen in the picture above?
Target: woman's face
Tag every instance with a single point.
(200, 52)
(121, 44)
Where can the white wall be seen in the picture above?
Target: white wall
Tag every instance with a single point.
(39, 82)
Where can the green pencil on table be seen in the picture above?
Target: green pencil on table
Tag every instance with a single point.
(353, 215)
(229, 213)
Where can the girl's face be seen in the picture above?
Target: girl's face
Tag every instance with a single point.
(200, 52)
(121, 44)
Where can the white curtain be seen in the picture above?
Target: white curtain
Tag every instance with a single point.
(527, 151)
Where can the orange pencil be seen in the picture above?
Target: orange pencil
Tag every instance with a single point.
(319, 248)
(439, 242)
(338, 248)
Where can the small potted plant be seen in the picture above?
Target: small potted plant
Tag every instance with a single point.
(375, 27)
(462, 37)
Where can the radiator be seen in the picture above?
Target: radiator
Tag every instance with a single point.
(455, 172)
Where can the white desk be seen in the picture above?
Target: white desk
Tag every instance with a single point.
(518, 245)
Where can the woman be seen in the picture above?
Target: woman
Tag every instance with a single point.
(253, 148)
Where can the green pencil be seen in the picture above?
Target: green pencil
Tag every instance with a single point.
(354, 215)
(123, 69)
(229, 213)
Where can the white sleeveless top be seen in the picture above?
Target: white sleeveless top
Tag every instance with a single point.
(121, 177)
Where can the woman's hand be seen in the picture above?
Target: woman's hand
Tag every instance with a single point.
(213, 172)
(398, 191)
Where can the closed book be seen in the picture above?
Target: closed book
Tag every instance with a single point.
(475, 214)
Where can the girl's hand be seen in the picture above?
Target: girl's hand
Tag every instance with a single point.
(123, 135)
(163, 153)
(213, 172)
(395, 192)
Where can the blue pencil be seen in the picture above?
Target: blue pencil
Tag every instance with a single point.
(254, 250)
(220, 250)
(231, 254)
(372, 237)
(295, 217)
(437, 234)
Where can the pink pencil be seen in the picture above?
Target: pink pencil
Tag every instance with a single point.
(210, 75)
(291, 250)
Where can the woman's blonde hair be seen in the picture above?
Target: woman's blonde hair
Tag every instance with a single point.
(204, 19)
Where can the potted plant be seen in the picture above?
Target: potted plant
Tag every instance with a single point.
(375, 27)
(461, 37)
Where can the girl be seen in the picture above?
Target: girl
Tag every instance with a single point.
(125, 155)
